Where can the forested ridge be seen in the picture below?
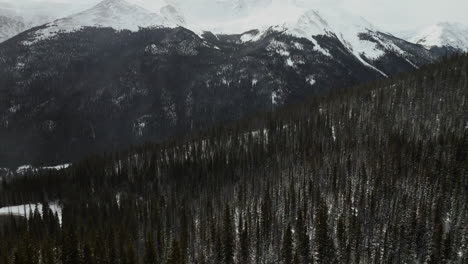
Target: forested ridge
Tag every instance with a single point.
(100, 90)
(372, 174)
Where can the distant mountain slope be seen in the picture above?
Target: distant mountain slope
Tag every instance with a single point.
(10, 25)
(449, 35)
(13, 22)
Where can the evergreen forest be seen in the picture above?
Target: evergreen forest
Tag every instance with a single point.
(375, 174)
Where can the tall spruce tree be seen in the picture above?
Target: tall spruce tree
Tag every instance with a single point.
(175, 255)
(325, 250)
(287, 249)
(228, 237)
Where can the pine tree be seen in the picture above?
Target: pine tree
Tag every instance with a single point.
(325, 252)
(70, 248)
(175, 256)
(88, 255)
(30, 255)
(218, 248)
(112, 253)
(150, 255)
(131, 254)
(342, 244)
(303, 245)
(48, 256)
(184, 237)
(287, 248)
(18, 258)
(245, 245)
(228, 240)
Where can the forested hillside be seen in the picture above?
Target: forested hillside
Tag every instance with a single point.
(99, 89)
(373, 174)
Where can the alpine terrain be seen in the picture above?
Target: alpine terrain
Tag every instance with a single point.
(117, 74)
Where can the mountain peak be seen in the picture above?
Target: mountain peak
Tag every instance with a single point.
(114, 3)
(444, 34)
(116, 14)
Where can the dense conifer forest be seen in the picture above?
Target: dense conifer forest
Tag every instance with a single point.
(102, 90)
(372, 174)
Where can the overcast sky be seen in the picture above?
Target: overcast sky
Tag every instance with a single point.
(403, 14)
(390, 15)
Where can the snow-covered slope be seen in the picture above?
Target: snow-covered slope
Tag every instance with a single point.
(116, 14)
(346, 27)
(293, 17)
(443, 35)
(298, 18)
(258, 18)
(26, 209)
(19, 16)
(10, 25)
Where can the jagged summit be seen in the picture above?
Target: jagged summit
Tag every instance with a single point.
(443, 34)
(360, 37)
(335, 22)
(292, 17)
(116, 14)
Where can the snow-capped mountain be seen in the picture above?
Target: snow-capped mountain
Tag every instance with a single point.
(13, 22)
(21, 15)
(452, 35)
(298, 18)
(116, 14)
(291, 17)
(10, 25)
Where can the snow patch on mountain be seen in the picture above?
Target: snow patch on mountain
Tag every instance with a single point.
(443, 35)
(28, 168)
(311, 80)
(279, 48)
(251, 36)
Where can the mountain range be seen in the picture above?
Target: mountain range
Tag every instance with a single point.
(223, 17)
(117, 74)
